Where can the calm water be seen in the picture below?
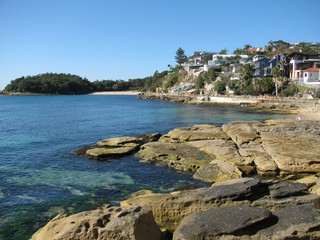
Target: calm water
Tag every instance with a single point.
(39, 175)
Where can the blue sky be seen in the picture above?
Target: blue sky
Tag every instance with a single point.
(102, 39)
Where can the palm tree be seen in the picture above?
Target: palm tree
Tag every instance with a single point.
(277, 74)
(247, 46)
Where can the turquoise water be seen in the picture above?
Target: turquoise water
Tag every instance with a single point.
(39, 175)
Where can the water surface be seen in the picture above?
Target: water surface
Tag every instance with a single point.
(39, 175)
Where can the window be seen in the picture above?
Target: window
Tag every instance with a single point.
(306, 75)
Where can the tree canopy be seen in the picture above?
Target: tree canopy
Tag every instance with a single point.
(180, 56)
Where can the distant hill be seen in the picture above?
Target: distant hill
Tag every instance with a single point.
(51, 83)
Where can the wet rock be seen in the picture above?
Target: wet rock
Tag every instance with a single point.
(119, 141)
(116, 147)
(152, 137)
(213, 224)
(101, 153)
(109, 223)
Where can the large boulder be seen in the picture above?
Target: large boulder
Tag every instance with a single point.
(241, 222)
(169, 209)
(109, 223)
(286, 189)
(215, 223)
(296, 222)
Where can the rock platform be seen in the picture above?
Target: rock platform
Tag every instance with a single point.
(264, 176)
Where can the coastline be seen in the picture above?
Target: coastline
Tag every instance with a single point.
(115, 93)
(306, 109)
(93, 93)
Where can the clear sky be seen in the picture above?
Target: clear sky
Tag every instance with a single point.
(104, 39)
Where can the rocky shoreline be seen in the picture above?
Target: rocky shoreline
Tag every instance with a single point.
(264, 176)
(308, 109)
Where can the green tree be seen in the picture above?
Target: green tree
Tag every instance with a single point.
(247, 72)
(264, 85)
(180, 56)
(220, 87)
(246, 76)
(277, 74)
(238, 51)
(247, 46)
(223, 51)
(290, 90)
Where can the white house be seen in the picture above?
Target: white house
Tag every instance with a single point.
(221, 59)
(311, 76)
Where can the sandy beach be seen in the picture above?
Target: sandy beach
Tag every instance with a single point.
(115, 93)
(309, 113)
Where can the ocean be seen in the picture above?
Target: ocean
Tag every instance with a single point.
(41, 177)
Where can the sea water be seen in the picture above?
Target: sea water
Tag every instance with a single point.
(41, 177)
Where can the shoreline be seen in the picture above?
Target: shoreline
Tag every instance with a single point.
(115, 93)
(93, 93)
(305, 109)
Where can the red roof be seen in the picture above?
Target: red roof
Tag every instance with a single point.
(312, 70)
(251, 49)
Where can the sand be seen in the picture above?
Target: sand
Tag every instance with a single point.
(309, 113)
(115, 93)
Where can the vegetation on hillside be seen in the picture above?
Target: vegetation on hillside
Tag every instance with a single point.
(54, 83)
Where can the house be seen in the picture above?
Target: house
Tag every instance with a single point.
(261, 64)
(300, 62)
(232, 71)
(311, 76)
(279, 60)
(196, 63)
(257, 49)
(222, 59)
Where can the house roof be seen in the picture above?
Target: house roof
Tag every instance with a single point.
(312, 70)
